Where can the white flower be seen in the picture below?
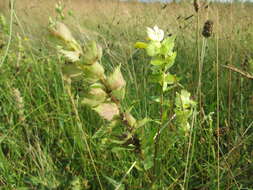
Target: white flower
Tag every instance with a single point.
(155, 34)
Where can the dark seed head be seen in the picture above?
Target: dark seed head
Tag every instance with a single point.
(164, 6)
(207, 29)
(196, 5)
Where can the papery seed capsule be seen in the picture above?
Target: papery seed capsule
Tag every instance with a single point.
(207, 29)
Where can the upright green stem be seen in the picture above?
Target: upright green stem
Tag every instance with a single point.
(157, 139)
(198, 60)
(230, 62)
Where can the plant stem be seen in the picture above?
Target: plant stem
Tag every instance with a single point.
(157, 140)
(10, 33)
(230, 62)
(198, 60)
(218, 102)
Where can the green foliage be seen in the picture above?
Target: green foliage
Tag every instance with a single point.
(183, 111)
(163, 57)
(251, 66)
(3, 24)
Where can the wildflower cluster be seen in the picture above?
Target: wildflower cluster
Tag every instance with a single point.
(103, 93)
(163, 57)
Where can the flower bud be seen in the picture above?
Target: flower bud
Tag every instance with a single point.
(62, 31)
(92, 53)
(116, 80)
(95, 97)
(107, 110)
(94, 72)
(97, 94)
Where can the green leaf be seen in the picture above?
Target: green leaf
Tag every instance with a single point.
(143, 122)
(115, 183)
(157, 61)
(148, 162)
(170, 79)
(155, 99)
(75, 184)
(183, 100)
(101, 132)
(251, 66)
(170, 60)
(119, 149)
(156, 78)
(153, 48)
(165, 85)
(167, 45)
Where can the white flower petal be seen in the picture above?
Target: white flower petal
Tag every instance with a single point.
(155, 34)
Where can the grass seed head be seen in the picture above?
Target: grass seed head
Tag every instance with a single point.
(196, 5)
(19, 103)
(207, 29)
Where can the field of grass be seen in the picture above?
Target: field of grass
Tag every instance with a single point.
(47, 136)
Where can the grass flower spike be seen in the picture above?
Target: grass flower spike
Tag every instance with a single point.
(155, 34)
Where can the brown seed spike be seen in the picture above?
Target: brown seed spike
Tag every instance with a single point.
(207, 29)
(196, 5)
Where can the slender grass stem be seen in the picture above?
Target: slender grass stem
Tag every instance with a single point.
(230, 62)
(201, 64)
(218, 101)
(10, 32)
(198, 59)
(190, 145)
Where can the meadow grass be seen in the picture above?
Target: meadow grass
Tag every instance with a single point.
(43, 138)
